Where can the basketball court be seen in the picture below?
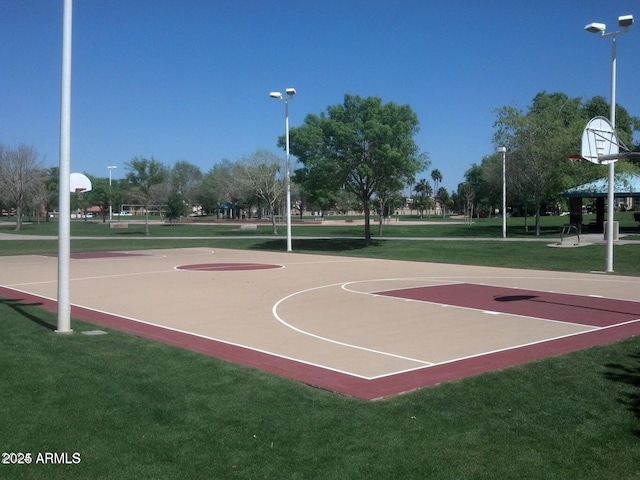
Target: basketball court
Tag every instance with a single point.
(362, 327)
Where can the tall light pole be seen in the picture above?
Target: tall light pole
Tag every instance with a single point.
(110, 167)
(503, 151)
(624, 21)
(64, 201)
(277, 95)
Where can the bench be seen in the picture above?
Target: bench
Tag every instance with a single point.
(118, 225)
(248, 226)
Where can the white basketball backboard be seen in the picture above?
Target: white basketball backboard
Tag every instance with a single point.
(599, 141)
(79, 182)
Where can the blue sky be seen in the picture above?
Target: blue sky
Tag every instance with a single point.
(190, 79)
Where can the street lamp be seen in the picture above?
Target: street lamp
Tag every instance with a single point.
(503, 151)
(290, 92)
(110, 167)
(624, 22)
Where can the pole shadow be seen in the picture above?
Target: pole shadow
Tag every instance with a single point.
(25, 310)
(332, 245)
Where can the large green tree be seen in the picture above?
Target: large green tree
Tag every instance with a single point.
(362, 146)
(539, 143)
(185, 178)
(144, 176)
(176, 206)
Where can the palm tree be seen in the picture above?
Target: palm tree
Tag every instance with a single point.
(423, 191)
(436, 176)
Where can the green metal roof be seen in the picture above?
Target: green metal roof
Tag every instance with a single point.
(625, 185)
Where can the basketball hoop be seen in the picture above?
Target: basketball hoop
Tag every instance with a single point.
(79, 183)
(599, 141)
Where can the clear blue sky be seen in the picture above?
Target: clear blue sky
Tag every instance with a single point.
(190, 79)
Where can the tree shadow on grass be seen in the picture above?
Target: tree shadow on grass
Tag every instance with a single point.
(333, 245)
(628, 374)
(25, 310)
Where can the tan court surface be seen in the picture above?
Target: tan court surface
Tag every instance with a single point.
(316, 310)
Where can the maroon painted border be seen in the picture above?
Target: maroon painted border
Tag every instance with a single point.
(334, 381)
(227, 267)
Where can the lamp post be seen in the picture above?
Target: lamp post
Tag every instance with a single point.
(503, 151)
(64, 202)
(110, 167)
(624, 21)
(290, 92)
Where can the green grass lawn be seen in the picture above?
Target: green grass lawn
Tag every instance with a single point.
(136, 409)
(488, 251)
(407, 227)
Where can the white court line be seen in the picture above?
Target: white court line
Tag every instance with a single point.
(424, 365)
(328, 262)
(274, 311)
(186, 332)
(97, 277)
(506, 349)
(133, 274)
(402, 279)
(483, 284)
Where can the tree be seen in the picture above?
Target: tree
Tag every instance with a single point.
(314, 190)
(539, 143)
(625, 123)
(258, 174)
(436, 176)
(445, 200)
(52, 187)
(176, 206)
(100, 195)
(143, 176)
(387, 199)
(20, 175)
(361, 146)
(423, 196)
(185, 178)
(219, 186)
(467, 194)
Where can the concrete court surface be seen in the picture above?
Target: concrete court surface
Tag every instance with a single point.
(351, 325)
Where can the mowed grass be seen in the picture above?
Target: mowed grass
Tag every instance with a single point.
(136, 409)
(477, 244)
(407, 227)
(516, 254)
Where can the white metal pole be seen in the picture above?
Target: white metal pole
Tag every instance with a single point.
(504, 196)
(611, 189)
(288, 178)
(110, 209)
(110, 167)
(64, 206)
(503, 150)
